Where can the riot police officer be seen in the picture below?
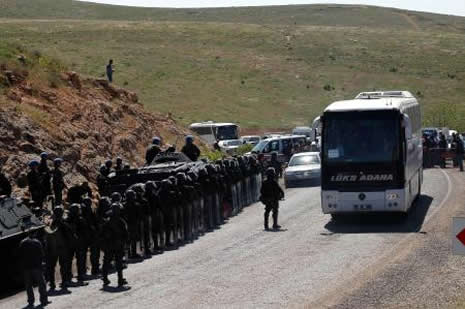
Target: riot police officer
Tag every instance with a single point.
(153, 150)
(114, 237)
(58, 181)
(45, 176)
(271, 193)
(190, 149)
(81, 238)
(132, 215)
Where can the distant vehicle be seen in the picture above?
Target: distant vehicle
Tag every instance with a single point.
(278, 144)
(303, 168)
(272, 134)
(251, 139)
(307, 131)
(213, 132)
(372, 154)
(230, 146)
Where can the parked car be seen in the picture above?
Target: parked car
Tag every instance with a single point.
(303, 167)
(230, 146)
(251, 139)
(279, 145)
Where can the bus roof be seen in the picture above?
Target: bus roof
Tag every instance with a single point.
(211, 124)
(367, 101)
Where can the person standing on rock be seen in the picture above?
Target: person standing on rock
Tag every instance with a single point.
(5, 186)
(153, 150)
(58, 181)
(34, 183)
(271, 193)
(110, 70)
(190, 149)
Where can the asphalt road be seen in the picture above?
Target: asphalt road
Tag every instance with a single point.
(242, 266)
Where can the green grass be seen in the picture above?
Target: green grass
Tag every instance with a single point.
(253, 66)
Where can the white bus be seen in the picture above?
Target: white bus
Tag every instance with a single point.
(212, 132)
(371, 154)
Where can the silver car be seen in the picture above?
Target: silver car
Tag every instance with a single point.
(303, 167)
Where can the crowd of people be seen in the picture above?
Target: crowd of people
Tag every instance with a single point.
(436, 150)
(144, 219)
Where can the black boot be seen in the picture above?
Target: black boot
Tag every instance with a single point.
(266, 221)
(105, 281)
(121, 280)
(275, 221)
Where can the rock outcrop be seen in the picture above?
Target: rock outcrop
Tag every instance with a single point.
(86, 121)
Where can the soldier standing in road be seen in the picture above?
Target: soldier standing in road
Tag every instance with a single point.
(274, 163)
(58, 181)
(153, 150)
(190, 149)
(32, 255)
(459, 152)
(5, 186)
(271, 193)
(114, 237)
(132, 214)
(80, 231)
(57, 240)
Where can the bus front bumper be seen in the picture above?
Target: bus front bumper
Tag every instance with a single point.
(353, 202)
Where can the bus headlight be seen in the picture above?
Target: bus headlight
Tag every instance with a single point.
(392, 196)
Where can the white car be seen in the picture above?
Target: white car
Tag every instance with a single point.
(230, 146)
(251, 139)
(303, 167)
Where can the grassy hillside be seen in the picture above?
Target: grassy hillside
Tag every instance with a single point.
(269, 67)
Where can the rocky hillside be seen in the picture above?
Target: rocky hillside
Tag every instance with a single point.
(84, 120)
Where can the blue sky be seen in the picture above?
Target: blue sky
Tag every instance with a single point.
(454, 7)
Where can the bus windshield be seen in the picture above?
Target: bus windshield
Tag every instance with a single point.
(226, 132)
(362, 137)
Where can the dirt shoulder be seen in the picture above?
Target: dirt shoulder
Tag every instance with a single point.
(422, 272)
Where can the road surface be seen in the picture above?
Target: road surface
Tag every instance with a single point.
(312, 262)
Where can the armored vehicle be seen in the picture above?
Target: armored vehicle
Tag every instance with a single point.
(15, 218)
(164, 165)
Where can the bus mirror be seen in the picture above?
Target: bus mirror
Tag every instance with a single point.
(313, 135)
(407, 124)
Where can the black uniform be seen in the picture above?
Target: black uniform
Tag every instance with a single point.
(32, 255)
(33, 179)
(271, 193)
(45, 177)
(5, 186)
(58, 251)
(58, 185)
(77, 192)
(114, 237)
(132, 215)
(168, 199)
(78, 248)
(151, 153)
(191, 151)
